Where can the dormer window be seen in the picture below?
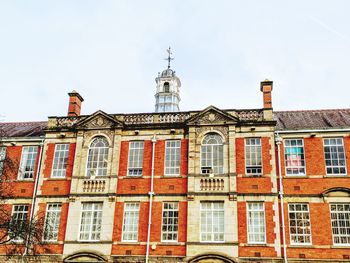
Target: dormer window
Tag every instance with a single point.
(166, 87)
(212, 154)
(97, 157)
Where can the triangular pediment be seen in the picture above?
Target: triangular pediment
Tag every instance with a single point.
(98, 120)
(212, 115)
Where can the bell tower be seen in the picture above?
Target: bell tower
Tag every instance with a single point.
(168, 89)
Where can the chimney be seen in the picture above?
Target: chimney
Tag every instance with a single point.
(266, 88)
(75, 101)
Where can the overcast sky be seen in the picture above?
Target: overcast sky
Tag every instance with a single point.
(111, 52)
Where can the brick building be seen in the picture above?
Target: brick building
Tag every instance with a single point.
(197, 186)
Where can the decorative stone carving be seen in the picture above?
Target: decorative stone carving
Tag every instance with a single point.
(204, 129)
(98, 122)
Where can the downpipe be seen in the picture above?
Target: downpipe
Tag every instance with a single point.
(151, 194)
(278, 141)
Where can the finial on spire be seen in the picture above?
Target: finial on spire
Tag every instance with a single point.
(169, 56)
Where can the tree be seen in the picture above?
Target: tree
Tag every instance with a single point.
(20, 230)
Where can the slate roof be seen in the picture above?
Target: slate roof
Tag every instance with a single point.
(22, 129)
(312, 119)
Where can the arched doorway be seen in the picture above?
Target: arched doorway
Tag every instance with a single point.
(84, 257)
(211, 258)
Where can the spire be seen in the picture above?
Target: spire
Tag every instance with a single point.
(168, 89)
(169, 56)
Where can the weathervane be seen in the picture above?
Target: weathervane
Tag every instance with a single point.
(169, 58)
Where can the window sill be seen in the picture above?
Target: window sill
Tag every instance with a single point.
(336, 176)
(295, 176)
(132, 177)
(342, 246)
(255, 245)
(301, 246)
(25, 180)
(56, 179)
(253, 176)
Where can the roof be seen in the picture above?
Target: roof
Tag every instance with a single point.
(312, 119)
(22, 129)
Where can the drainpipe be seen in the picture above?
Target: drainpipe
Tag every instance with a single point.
(278, 141)
(151, 194)
(32, 207)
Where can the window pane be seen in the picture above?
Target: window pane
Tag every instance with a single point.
(52, 221)
(131, 222)
(294, 156)
(28, 159)
(135, 158)
(256, 222)
(340, 221)
(253, 156)
(299, 224)
(172, 158)
(212, 222)
(98, 157)
(60, 161)
(170, 221)
(91, 220)
(212, 154)
(334, 156)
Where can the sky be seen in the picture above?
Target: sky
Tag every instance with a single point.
(111, 52)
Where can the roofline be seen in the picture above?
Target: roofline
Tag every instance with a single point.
(316, 110)
(314, 130)
(22, 139)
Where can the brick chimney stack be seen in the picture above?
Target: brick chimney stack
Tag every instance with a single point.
(75, 101)
(266, 88)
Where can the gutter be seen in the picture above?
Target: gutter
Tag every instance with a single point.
(34, 195)
(314, 130)
(151, 194)
(278, 141)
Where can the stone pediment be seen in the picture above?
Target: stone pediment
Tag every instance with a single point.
(98, 120)
(212, 115)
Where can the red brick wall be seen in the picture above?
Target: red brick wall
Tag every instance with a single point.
(156, 230)
(240, 160)
(314, 156)
(54, 186)
(249, 251)
(123, 161)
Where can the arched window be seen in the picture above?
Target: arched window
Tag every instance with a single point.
(166, 87)
(97, 157)
(212, 154)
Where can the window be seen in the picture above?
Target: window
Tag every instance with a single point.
(253, 156)
(91, 220)
(135, 158)
(212, 156)
(98, 157)
(256, 223)
(131, 222)
(340, 218)
(2, 158)
(19, 221)
(52, 222)
(166, 86)
(299, 224)
(294, 156)
(212, 222)
(170, 221)
(60, 161)
(172, 158)
(334, 156)
(28, 159)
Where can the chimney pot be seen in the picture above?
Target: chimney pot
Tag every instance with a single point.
(74, 105)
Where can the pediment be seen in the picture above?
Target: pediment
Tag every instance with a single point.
(98, 120)
(212, 115)
(84, 257)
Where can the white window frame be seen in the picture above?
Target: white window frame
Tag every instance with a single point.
(26, 218)
(131, 209)
(52, 222)
(174, 153)
(2, 158)
(297, 154)
(61, 165)
(250, 211)
(205, 169)
(100, 152)
(212, 233)
(257, 149)
(96, 215)
(330, 152)
(339, 227)
(296, 224)
(175, 216)
(32, 151)
(136, 151)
